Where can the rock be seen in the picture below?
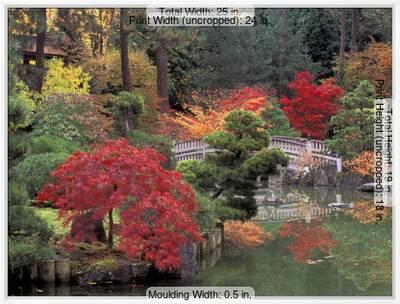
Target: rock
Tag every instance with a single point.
(321, 178)
(341, 205)
(124, 273)
(306, 178)
(368, 187)
(325, 175)
(352, 180)
(140, 270)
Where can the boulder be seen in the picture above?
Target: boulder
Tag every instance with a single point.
(325, 175)
(306, 178)
(352, 180)
(368, 187)
(124, 273)
(341, 205)
(321, 178)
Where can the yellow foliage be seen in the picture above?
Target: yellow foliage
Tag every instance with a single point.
(375, 62)
(365, 212)
(61, 79)
(362, 164)
(106, 71)
(203, 121)
(200, 123)
(245, 234)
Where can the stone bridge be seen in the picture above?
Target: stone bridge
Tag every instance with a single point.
(296, 148)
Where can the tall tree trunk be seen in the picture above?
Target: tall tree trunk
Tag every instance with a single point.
(101, 39)
(342, 45)
(126, 76)
(111, 229)
(40, 39)
(354, 29)
(162, 73)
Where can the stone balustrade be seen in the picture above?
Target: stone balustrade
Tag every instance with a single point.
(294, 147)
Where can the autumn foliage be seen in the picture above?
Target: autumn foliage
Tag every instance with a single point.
(362, 164)
(373, 63)
(245, 234)
(156, 207)
(312, 106)
(365, 212)
(306, 239)
(204, 120)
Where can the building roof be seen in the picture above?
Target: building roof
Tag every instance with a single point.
(53, 45)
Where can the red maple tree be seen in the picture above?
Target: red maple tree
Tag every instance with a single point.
(306, 239)
(312, 106)
(155, 205)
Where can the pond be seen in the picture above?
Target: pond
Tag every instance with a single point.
(330, 253)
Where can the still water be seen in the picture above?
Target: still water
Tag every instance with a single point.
(312, 253)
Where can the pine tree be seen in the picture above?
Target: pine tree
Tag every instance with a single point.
(353, 126)
(321, 37)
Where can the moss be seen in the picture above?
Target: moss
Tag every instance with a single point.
(107, 263)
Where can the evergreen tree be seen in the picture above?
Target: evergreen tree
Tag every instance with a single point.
(321, 38)
(263, 54)
(353, 126)
(234, 166)
(277, 121)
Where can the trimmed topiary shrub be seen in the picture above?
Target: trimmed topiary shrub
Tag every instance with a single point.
(53, 144)
(34, 170)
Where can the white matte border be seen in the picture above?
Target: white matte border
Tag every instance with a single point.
(204, 3)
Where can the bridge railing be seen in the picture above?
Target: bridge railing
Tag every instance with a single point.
(292, 146)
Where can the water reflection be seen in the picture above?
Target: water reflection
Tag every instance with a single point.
(337, 253)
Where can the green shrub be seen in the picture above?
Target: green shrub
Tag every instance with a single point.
(22, 221)
(19, 145)
(162, 144)
(31, 98)
(277, 121)
(34, 170)
(17, 194)
(21, 106)
(213, 210)
(19, 113)
(61, 79)
(197, 173)
(206, 216)
(225, 213)
(72, 117)
(53, 144)
(23, 251)
(60, 118)
(127, 109)
(56, 225)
